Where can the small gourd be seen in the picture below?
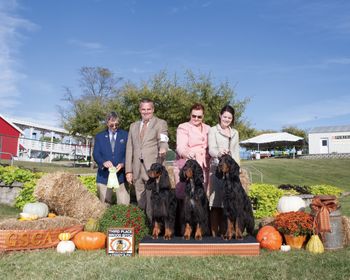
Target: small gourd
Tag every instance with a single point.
(64, 236)
(91, 225)
(315, 245)
(65, 247)
(290, 203)
(51, 215)
(36, 208)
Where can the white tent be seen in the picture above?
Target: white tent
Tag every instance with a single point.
(272, 137)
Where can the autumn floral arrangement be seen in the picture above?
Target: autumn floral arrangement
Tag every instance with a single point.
(294, 223)
(125, 216)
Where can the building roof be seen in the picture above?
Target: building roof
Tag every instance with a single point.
(12, 124)
(40, 126)
(272, 137)
(337, 128)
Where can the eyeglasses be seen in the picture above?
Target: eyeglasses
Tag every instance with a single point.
(197, 116)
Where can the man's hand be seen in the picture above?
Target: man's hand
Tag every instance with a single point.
(108, 164)
(162, 152)
(119, 166)
(129, 178)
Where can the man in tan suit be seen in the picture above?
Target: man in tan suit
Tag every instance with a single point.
(147, 144)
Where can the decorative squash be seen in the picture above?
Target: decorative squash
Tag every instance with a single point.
(91, 225)
(85, 240)
(269, 238)
(51, 215)
(290, 203)
(64, 236)
(36, 208)
(315, 245)
(65, 247)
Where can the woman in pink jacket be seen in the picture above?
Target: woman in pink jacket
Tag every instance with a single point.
(192, 143)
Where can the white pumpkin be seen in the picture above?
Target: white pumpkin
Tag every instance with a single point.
(37, 208)
(65, 247)
(290, 203)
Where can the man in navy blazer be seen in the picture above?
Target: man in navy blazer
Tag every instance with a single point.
(109, 151)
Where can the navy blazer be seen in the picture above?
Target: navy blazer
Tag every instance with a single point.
(103, 152)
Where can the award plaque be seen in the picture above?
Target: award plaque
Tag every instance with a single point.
(120, 242)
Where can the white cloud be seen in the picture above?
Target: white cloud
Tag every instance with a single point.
(89, 46)
(318, 110)
(10, 39)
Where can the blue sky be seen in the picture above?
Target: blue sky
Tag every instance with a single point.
(290, 57)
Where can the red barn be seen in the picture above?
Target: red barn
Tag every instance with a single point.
(9, 134)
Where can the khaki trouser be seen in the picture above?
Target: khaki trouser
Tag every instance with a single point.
(105, 194)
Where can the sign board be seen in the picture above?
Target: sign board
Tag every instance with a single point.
(120, 242)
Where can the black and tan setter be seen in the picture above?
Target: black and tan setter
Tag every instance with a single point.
(195, 207)
(163, 201)
(238, 210)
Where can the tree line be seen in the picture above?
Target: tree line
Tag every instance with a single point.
(101, 91)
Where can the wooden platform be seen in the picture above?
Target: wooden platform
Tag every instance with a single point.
(209, 246)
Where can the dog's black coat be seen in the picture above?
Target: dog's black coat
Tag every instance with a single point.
(195, 209)
(163, 199)
(237, 206)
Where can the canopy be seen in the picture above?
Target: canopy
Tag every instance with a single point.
(271, 140)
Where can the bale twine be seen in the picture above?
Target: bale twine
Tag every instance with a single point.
(67, 196)
(244, 177)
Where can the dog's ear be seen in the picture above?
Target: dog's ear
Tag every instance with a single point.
(182, 175)
(198, 174)
(234, 167)
(164, 179)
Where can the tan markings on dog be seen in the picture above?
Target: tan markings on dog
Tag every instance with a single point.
(188, 231)
(198, 235)
(168, 234)
(225, 168)
(156, 231)
(229, 232)
(189, 173)
(238, 232)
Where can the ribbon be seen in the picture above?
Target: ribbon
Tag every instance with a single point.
(322, 205)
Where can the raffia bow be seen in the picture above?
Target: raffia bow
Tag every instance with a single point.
(322, 205)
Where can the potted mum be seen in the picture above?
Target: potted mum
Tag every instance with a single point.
(295, 226)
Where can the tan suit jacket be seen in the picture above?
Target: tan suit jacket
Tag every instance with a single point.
(147, 149)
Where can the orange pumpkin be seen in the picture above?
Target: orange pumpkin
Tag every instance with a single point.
(269, 238)
(85, 240)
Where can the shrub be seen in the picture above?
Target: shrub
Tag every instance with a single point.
(265, 199)
(90, 183)
(325, 189)
(125, 216)
(26, 195)
(294, 223)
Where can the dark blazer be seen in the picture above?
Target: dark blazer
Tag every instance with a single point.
(103, 152)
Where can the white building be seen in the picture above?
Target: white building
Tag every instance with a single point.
(329, 140)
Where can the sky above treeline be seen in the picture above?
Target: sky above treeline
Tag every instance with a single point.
(290, 57)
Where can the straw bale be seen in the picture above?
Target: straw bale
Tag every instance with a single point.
(67, 196)
(346, 230)
(244, 177)
(40, 224)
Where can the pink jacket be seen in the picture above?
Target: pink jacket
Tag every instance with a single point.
(190, 140)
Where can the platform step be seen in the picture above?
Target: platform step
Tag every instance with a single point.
(209, 246)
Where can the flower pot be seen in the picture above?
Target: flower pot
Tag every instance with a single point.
(295, 241)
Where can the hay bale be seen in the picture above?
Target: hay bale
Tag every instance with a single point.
(67, 196)
(346, 230)
(267, 221)
(244, 177)
(44, 223)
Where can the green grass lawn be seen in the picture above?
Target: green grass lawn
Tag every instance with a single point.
(297, 264)
(334, 172)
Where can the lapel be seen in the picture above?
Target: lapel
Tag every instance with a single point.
(107, 142)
